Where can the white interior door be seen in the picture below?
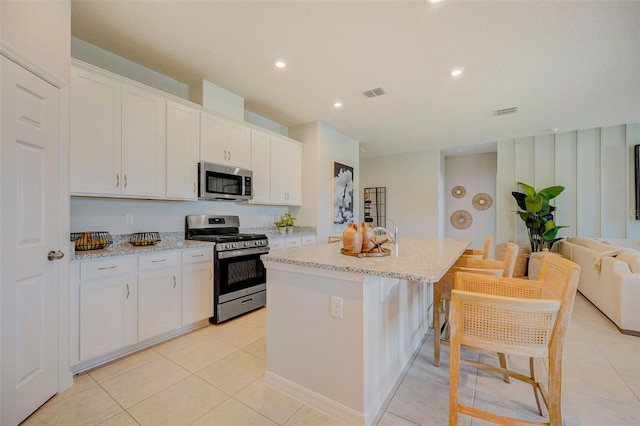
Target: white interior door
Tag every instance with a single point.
(29, 218)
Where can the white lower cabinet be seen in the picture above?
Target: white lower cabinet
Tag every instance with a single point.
(308, 240)
(292, 242)
(197, 285)
(159, 294)
(129, 302)
(107, 318)
(281, 243)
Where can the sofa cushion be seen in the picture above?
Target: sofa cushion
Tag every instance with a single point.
(590, 243)
(619, 242)
(632, 258)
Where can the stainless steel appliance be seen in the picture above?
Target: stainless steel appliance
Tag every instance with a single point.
(239, 277)
(224, 183)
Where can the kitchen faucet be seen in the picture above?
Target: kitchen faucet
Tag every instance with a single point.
(394, 236)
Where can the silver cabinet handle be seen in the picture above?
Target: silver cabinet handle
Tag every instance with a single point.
(174, 281)
(55, 255)
(117, 180)
(159, 260)
(210, 273)
(128, 291)
(225, 154)
(229, 155)
(194, 187)
(197, 255)
(125, 181)
(107, 267)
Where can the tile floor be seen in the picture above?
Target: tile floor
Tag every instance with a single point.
(214, 376)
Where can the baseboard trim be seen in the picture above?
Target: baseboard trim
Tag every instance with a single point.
(315, 400)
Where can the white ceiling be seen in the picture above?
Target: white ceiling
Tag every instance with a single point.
(565, 64)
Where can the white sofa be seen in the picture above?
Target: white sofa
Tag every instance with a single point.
(609, 277)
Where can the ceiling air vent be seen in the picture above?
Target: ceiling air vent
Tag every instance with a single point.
(372, 93)
(504, 111)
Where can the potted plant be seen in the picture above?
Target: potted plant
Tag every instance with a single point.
(285, 224)
(537, 214)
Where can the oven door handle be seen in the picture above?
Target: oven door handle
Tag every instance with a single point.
(242, 252)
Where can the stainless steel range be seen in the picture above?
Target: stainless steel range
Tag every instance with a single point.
(239, 279)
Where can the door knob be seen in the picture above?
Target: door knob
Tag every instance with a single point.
(55, 255)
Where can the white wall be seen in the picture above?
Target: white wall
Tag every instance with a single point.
(105, 214)
(412, 182)
(476, 173)
(41, 31)
(104, 59)
(594, 165)
(322, 145)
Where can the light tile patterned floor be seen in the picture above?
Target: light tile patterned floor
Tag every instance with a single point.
(214, 376)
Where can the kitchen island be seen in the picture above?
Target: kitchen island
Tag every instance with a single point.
(341, 329)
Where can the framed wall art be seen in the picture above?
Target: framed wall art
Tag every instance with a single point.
(342, 194)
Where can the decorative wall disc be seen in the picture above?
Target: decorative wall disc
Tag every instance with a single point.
(482, 201)
(458, 191)
(461, 219)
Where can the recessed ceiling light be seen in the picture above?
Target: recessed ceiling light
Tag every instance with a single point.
(279, 63)
(457, 72)
(435, 1)
(337, 104)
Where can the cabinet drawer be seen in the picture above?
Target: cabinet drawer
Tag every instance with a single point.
(276, 244)
(292, 242)
(107, 267)
(308, 240)
(158, 260)
(197, 255)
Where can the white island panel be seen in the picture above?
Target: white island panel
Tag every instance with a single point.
(347, 366)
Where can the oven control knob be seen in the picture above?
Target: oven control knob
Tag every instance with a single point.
(247, 243)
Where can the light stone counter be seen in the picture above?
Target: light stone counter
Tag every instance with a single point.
(416, 259)
(340, 329)
(122, 247)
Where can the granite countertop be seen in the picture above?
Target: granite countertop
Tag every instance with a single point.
(417, 258)
(122, 247)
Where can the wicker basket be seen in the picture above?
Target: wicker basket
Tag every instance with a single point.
(144, 238)
(91, 240)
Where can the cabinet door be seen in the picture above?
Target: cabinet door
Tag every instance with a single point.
(143, 143)
(286, 172)
(197, 292)
(261, 167)
(95, 156)
(182, 151)
(158, 302)
(238, 145)
(213, 138)
(107, 315)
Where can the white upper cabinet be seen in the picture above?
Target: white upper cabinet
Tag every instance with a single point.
(261, 167)
(224, 142)
(286, 172)
(117, 138)
(95, 134)
(183, 141)
(143, 143)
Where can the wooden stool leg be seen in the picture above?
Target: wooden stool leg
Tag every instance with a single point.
(454, 380)
(535, 384)
(437, 302)
(503, 363)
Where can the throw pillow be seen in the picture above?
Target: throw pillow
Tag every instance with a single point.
(632, 259)
(590, 243)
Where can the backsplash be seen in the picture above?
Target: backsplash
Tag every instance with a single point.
(104, 214)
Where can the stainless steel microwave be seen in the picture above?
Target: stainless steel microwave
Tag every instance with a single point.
(224, 183)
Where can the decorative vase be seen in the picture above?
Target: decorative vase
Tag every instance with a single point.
(282, 230)
(352, 239)
(367, 237)
(289, 230)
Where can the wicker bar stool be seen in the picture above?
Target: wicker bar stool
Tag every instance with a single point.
(442, 290)
(484, 253)
(513, 316)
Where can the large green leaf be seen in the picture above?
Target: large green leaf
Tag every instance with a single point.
(527, 189)
(533, 203)
(534, 223)
(519, 196)
(552, 191)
